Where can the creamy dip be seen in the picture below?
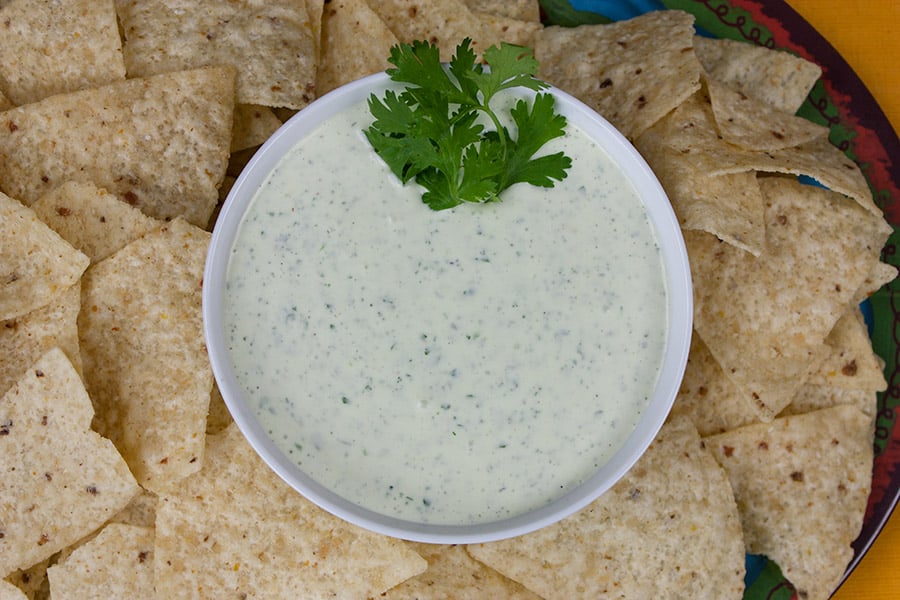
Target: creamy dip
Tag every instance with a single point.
(452, 367)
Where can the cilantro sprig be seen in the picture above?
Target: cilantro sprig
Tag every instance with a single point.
(430, 132)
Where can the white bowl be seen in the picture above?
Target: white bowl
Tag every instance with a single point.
(679, 304)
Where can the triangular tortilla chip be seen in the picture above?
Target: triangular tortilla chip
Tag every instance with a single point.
(812, 397)
(236, 528)
(852, 363)
(36, 264)
(25, 339)
(729, 206)
(523, 10)
(453, 574)
(145, 361)
(117, 563)
(750, 123)
(91, 219)
(691, 130)
(61, 480)
(355, 43)
(446, 23)
(253, 125)
(708, 397)
(780, 305)
(801, 485)
(631, 72)
(669, 528)
(777, 78)
(49, 48)
(271, 44)
(160, 143)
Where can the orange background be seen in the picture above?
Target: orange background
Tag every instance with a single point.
(867, 34)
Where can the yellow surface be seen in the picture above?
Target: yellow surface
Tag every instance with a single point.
(866, 35)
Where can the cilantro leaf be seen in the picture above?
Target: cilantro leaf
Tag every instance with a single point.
(433, 132)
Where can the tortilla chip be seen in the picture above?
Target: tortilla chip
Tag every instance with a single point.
(777, 78)
(453, 574)
(708, 397)
(5, 102)
(117, 563)
(36, 265)
(91, 219)
(812, 397)
(271, 44)
(32, 581)
(801, 485)
(881, 275)
(160, 144)
(852, 363)
(253, 125)
(61, 480)
(729, 206)
(691, 130)
(523, 10)
(631, 72)
(750, 123)
(10, 592)
(219, 416)
(141, 511)
(446, 23)
(25, 339)
(669, 528)
(145, 360)
(355, 43)
(49, 48)
(237, 528)
(819, 248)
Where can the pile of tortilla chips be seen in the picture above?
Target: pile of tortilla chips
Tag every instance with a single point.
(123, 124)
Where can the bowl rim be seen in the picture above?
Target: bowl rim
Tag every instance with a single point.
(677, 275)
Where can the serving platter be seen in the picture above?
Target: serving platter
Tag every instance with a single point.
(861, 130)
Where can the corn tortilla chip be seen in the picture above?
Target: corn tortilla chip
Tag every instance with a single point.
(91, 219)
(36, 264)
(812, 397)
(820, 247)
(777, 78)
(145, 361)
(8, 591)
(729, 206)
(801, 484)
(25, 339)
(237, 530)
(218, 417)
(668, 529)
(453, 574)
(5, 102)
(881, 275)
(523, 10)
(253, 125)
(271, 44)
(50, 47)
(446, 23)
(631, 72)
(61, 480)
(160, 143)
(750, 123)
(852, 363)
(708, 397)
(355, 42)
(141, 511)
(691, 130)
(118, 563)
(32, 581)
